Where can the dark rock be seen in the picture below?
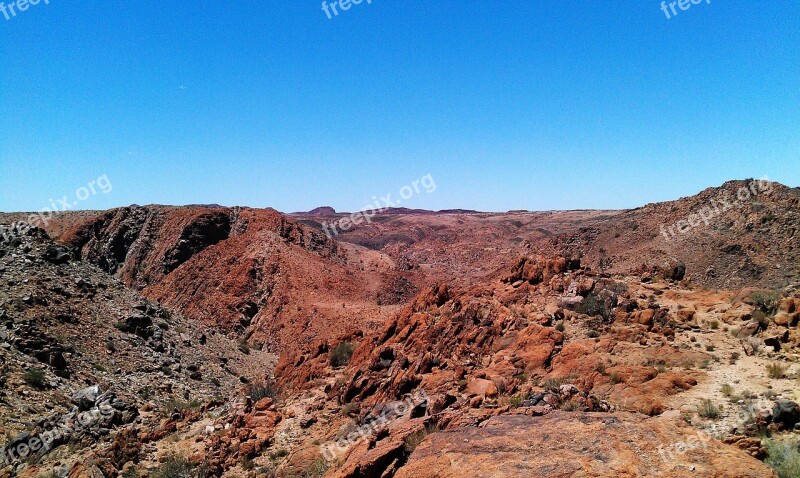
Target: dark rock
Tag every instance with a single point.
(786, 413)
(57, 254)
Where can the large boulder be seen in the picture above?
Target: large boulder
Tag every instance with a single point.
(786, 414)
(86, 398)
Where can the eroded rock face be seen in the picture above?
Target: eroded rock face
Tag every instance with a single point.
(575, 445)
(143, 244)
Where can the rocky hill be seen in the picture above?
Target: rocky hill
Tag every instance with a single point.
(84, 358)
(253, 272)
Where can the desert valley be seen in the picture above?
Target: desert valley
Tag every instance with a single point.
(213, 341)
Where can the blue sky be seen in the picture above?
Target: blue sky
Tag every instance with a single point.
(508, 105)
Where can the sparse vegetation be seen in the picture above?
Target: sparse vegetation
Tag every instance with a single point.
(560, 327)
(570, 406)
(784, 457)
(341, 354)
(707, 409)
(709, 348)
(761, 317)
(593, 334)
(176, 467)
(595, 305)
(265, 389)
(616, 378)
(34, 377)
(174, 405)
(317, 469)
(714, 324)
(553, 384)
(277, 454)
(515, 401)
(600, 368)
(727, 390)
(130, 472)
(776, 370)
(767, 302)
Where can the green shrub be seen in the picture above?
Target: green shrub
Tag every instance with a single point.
(707, 409)
(776, 370)
(341, 354)
(553, 384)
(616, 378)
(277, 454)
(727, 390)
(594, 305)
(560, 326)
(767, 302)
(176, 467)
(34, 377)
(316, 469)
(265, 389)
(784, 458)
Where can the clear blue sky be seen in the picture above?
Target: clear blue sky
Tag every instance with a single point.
(509, 105)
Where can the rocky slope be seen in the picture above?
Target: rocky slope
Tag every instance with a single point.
(83, 358)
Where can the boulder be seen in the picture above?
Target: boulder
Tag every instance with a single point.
(86, 398)
(57, 254)
(786, 413)
(481, 387)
